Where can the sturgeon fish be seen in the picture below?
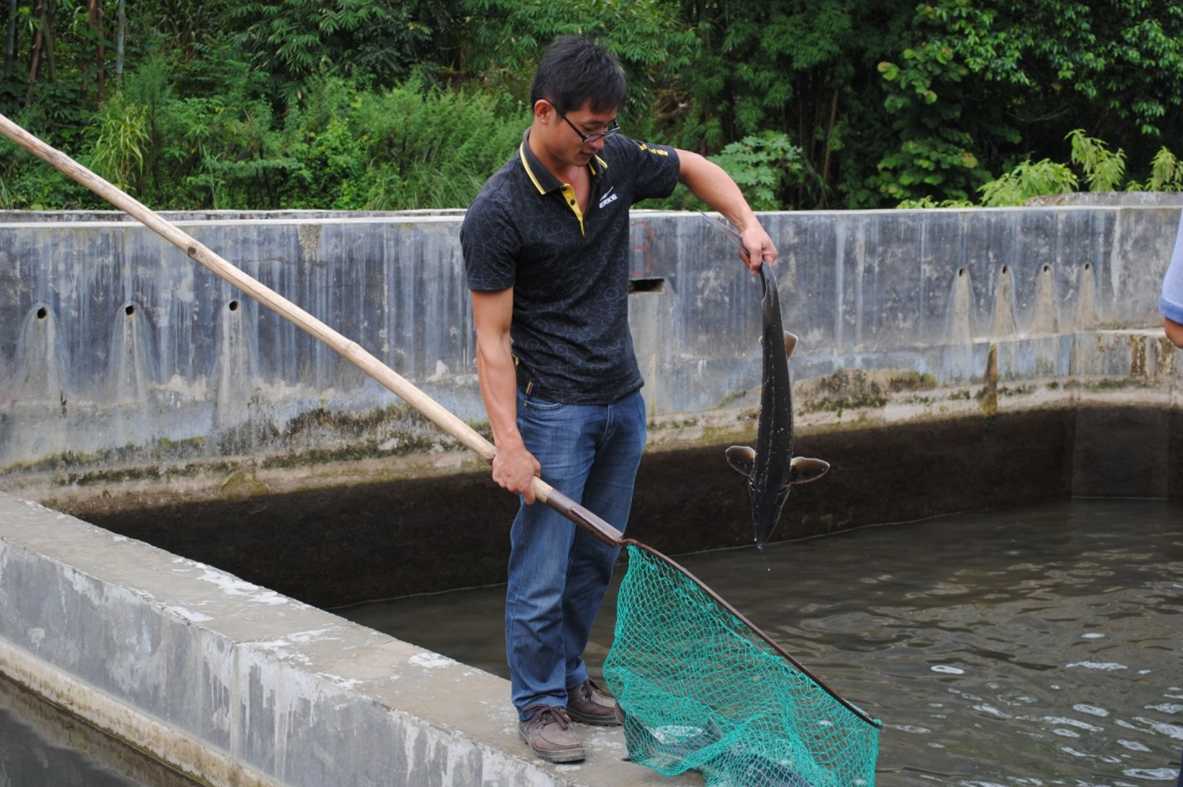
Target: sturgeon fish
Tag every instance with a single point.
(770, 468)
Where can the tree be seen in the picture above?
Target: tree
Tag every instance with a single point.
(980, 85)
(368, 39)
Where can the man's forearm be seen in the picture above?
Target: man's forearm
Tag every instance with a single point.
(498, 380)
(714, 186)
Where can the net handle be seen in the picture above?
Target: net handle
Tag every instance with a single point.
(862, 714)
(348, 349)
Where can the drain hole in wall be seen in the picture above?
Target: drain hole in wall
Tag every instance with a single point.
(1005, 270)
(129, 309)
(1046, 268)
(655, 284)
(233, 306)
(960, 272)
(42, 313)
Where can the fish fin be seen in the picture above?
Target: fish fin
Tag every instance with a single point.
(790, 343)
(742, 459)
(804, 470)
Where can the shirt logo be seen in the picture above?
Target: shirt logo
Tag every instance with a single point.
(608, 197)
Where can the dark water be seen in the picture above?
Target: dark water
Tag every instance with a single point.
(42, 747)
(1036, 647)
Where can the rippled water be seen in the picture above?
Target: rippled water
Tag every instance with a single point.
(42, 747)
(1034, 647)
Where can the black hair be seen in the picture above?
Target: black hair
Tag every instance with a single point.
(574, 70)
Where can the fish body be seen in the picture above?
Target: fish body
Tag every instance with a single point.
(771, 468)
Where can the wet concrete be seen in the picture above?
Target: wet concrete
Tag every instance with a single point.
(345, 544)
(1121, 453)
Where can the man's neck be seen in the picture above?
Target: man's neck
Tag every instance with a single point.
(565, 172)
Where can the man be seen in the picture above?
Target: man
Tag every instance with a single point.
(1171, 302)
(546, 254)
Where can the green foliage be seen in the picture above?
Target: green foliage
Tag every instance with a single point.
(121, 137)
(1028, 180)
(409, 147)
(929, 202)
(999, 72)
(764, 166)
(1103, 168)
(1166, 172)
(505, 34)
(296, 39)
(810, 103)
(927, 166)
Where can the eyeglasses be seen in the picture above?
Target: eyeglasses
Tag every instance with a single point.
(595, 136)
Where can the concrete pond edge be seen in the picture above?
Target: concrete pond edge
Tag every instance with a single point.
(233, 684)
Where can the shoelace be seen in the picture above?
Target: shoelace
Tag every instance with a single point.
(557, 715)
(588, 689)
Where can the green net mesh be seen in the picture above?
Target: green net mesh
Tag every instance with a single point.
(700, 690)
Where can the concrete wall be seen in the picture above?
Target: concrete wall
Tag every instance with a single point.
(235, 684)
(949, 359)
(116, 351)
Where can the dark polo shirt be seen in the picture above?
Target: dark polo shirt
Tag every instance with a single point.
(569, 272)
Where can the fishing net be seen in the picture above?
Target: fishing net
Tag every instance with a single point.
(702, 689)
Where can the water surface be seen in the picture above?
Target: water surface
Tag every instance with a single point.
(1032, 647)
(41, 746)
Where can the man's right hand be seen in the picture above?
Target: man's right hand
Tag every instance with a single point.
(514, 469)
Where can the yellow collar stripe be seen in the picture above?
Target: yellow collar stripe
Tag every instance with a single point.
(530, 172)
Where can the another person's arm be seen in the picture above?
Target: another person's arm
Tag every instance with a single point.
(714, 186)
(514, 467)
(1171, 302)
(1174, 332)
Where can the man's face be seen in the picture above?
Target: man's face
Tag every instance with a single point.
(577, 136)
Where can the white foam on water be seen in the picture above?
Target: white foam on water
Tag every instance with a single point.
(1091, 710)
(1152, 774)
(1072, 723)
(1169, 708)
(912, 728)
(1172, 731)
(946, 669)
(990, 709)
(1104, 666)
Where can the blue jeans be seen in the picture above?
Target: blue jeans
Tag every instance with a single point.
(557, 572)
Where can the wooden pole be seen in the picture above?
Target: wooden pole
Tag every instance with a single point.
(352, 351)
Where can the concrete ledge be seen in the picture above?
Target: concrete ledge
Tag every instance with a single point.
(237, 685)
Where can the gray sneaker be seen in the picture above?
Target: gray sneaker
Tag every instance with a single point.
(589, 704)
(546, 730)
